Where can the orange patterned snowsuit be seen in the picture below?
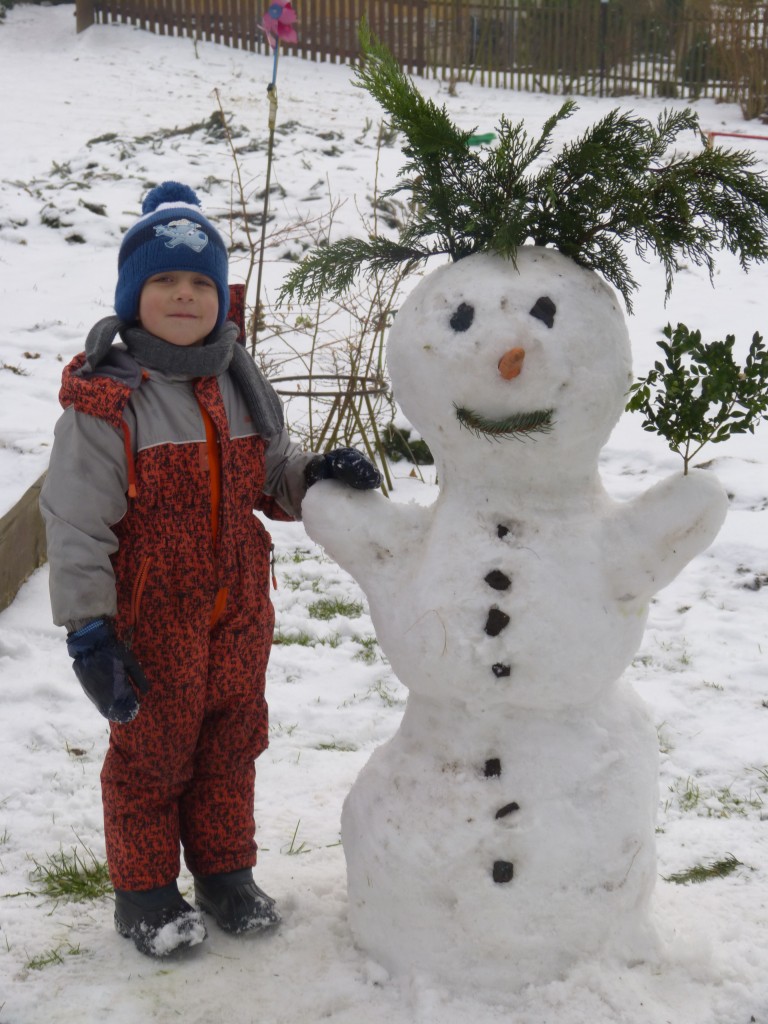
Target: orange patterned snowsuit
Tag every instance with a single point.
(191, 575)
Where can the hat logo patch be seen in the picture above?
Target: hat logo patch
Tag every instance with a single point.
(182, 232)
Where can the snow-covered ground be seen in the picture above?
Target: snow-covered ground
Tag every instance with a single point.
(86, 124)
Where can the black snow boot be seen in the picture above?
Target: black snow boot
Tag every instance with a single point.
(236, 903)
(158, 920)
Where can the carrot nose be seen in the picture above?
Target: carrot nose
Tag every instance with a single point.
(511, 363)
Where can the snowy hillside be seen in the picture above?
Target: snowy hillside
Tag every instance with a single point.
(87, 124)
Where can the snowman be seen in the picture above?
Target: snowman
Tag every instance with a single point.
(506, 831)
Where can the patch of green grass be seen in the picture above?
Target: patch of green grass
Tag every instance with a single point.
(300, 638)
(731, 803)
(715, 803)
(296, 556)
(293, 848)
(329, 607)
(280, 729)
(380, 690)
(297, 582)
(345, 748)
(388, 696)
(73, 876)
(703, 872)
(368, 645)
(299, 555)
(303, 639)
(677, 651)
(689, 796)
(52, 956)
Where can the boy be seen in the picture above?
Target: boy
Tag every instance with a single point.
(160, 571)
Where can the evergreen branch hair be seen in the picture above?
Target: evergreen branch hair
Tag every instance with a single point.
(620, 183)
(332, 269)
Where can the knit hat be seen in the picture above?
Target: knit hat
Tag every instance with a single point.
(171, 235)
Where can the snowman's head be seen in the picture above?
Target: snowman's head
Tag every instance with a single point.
(530, 362)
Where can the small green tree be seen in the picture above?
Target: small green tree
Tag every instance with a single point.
(620, 183)
(700, 393)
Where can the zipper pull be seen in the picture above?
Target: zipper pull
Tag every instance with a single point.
(272, 565)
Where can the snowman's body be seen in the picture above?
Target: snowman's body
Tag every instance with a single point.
(507, 829)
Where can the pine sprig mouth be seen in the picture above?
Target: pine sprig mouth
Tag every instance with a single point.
(518, 425)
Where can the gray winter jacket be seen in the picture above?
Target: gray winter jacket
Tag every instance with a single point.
(86, 491)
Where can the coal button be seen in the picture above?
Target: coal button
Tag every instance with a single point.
(502, 871)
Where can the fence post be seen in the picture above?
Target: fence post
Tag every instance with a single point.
(603, 37)
(421, 55)
(85, 14)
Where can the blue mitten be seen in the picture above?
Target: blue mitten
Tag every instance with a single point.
(347, 466)
(106, 669)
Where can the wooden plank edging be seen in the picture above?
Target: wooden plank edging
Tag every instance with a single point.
(22, 543)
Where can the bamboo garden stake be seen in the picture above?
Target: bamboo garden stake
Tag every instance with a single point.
(278, 24)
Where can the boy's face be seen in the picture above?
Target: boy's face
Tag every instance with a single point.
(179, 306)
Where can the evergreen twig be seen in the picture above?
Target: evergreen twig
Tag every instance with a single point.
(620, 183)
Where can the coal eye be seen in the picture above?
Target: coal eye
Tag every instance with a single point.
(544, 309)
(463, 317)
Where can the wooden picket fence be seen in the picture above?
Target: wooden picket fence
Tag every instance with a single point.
(668, 48)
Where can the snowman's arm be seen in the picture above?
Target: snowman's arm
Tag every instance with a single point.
(651, 539)
(366, 533)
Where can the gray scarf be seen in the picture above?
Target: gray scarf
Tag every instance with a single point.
(220, 353)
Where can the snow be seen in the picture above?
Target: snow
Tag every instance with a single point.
(334, 699)
(187, 930)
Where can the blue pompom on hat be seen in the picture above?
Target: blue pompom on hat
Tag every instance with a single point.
(172, 234)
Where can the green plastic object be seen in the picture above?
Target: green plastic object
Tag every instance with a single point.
(481, 140)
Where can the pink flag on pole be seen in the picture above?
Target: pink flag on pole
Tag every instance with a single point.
(278, 23)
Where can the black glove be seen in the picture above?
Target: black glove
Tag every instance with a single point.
(106, 669)
(347, 466)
